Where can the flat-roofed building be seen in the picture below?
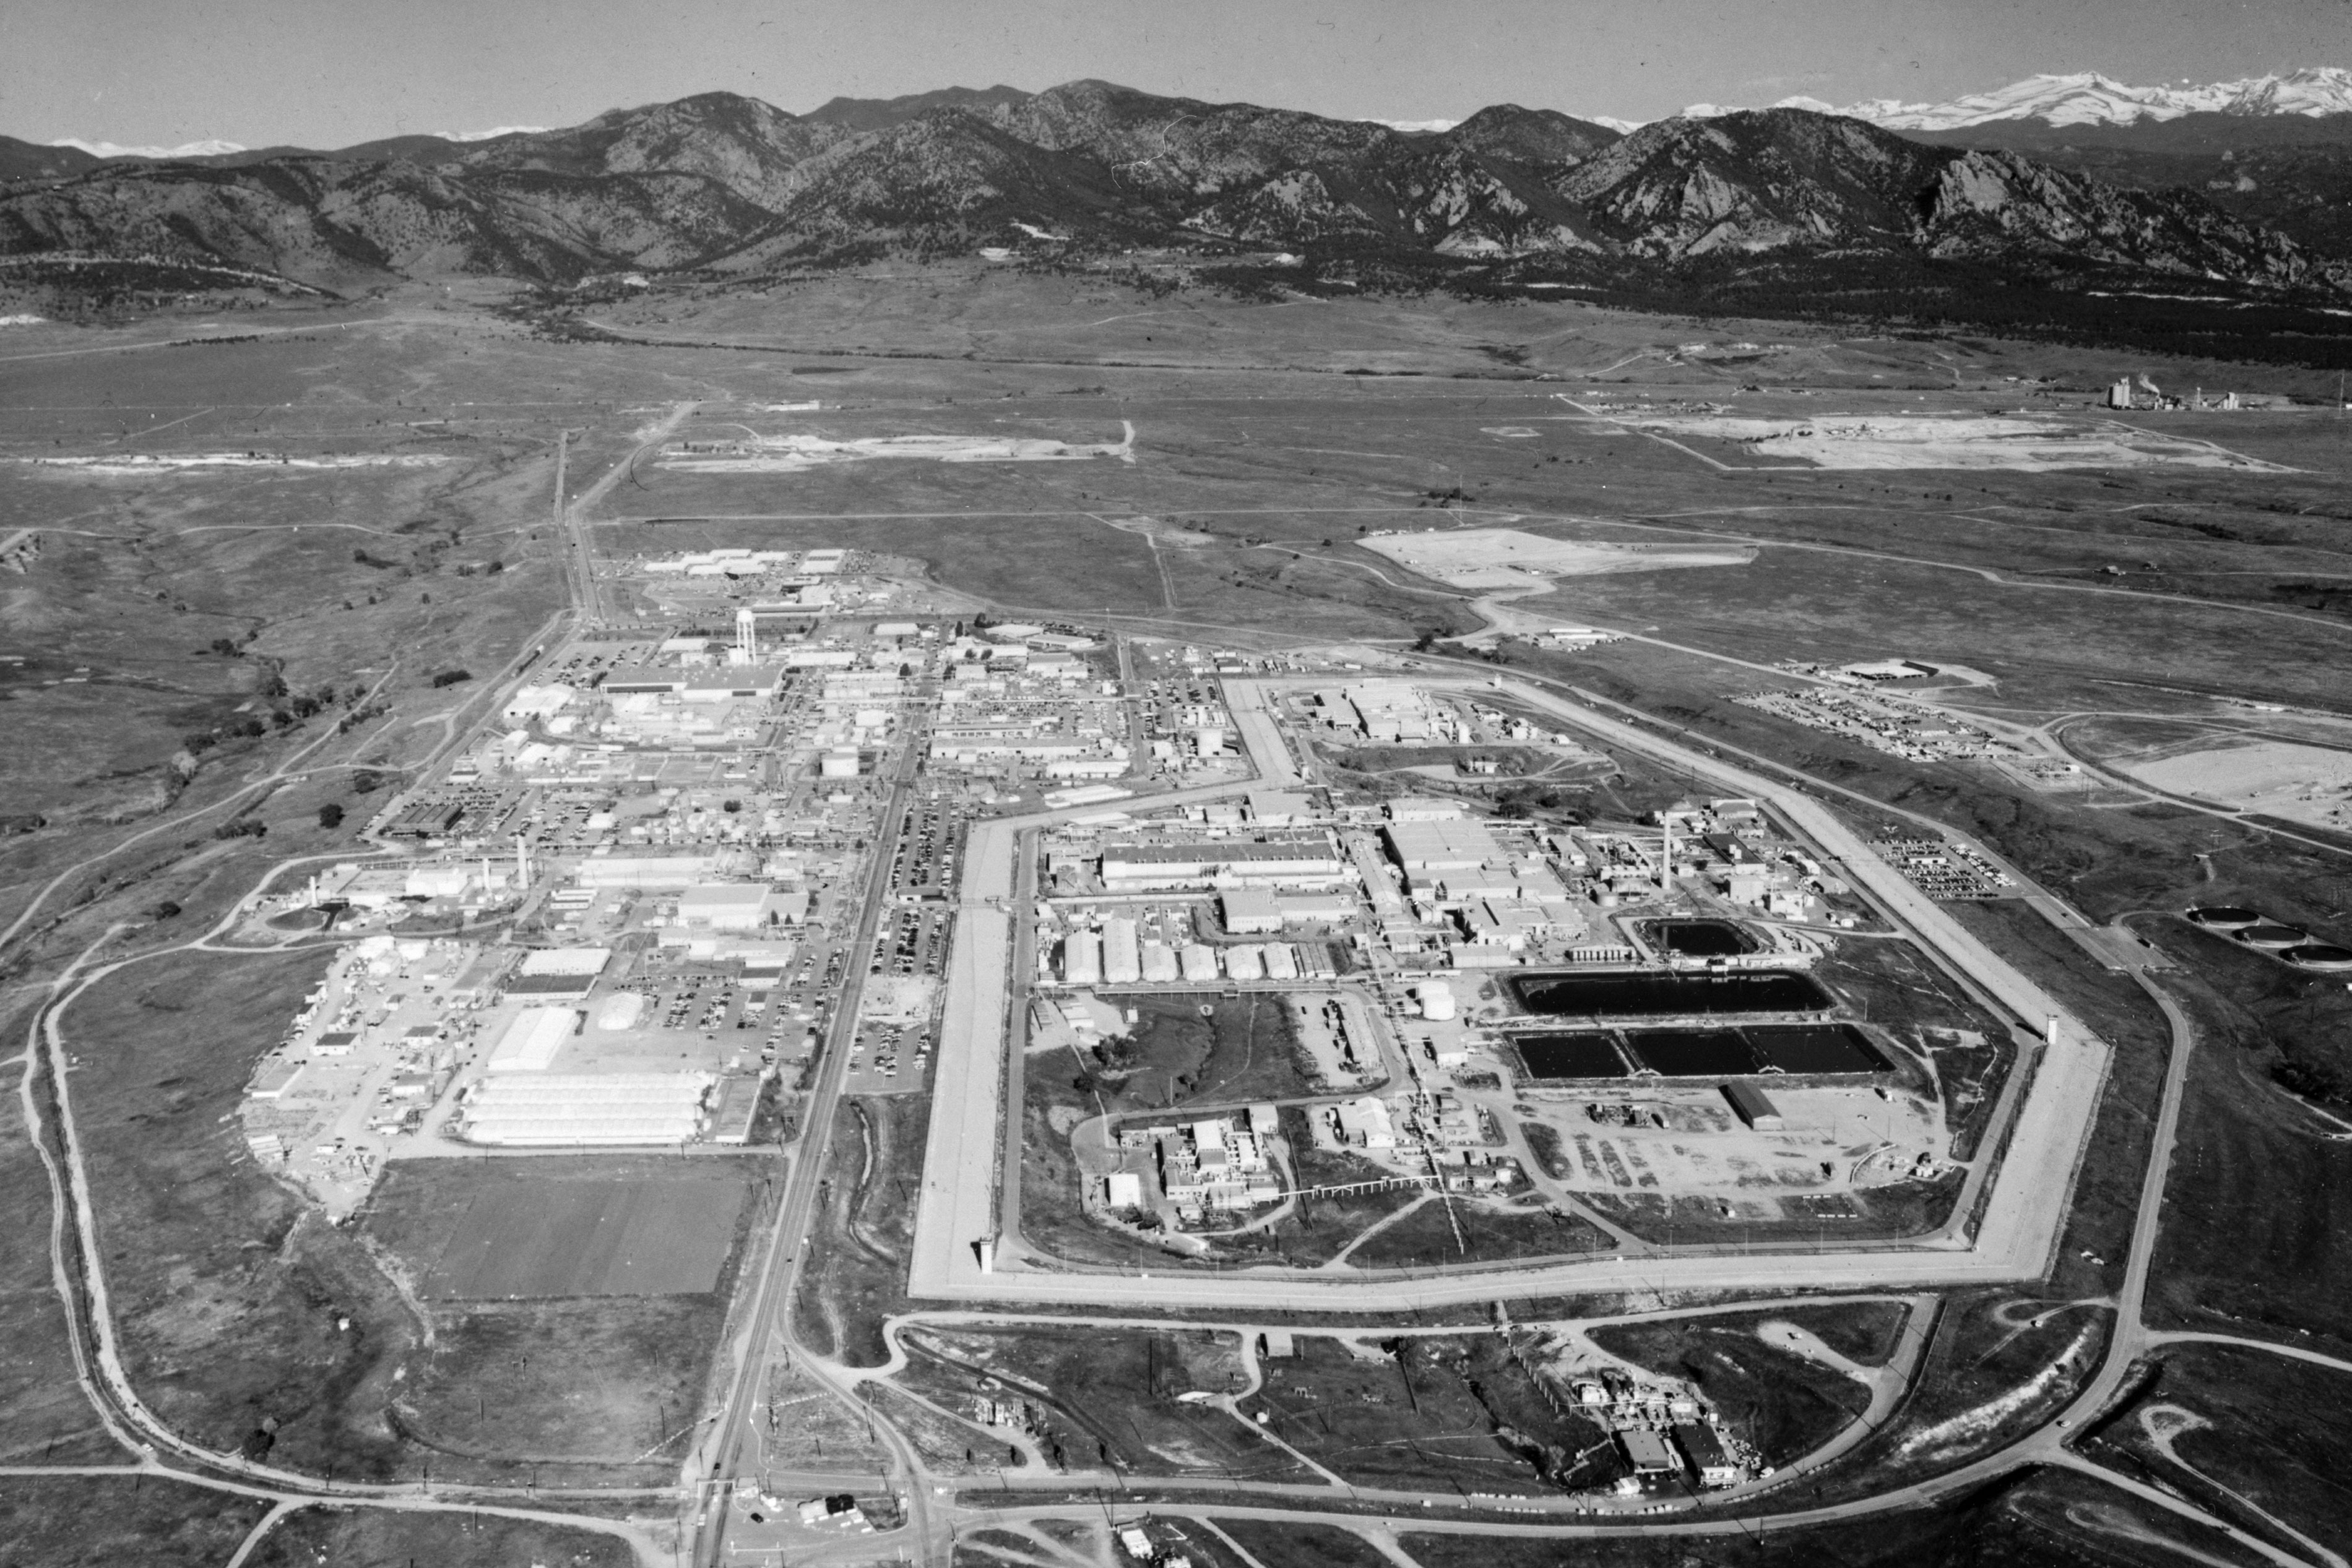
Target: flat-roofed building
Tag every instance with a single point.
(1250, 911)
(642, 871)
(1311, 859)
(1705, 1450)
(728, 905)
(1280, 808)
(1458, 844)
(1753, 1106)
(1646, 1451)
(588, 961)
(1366, 1124)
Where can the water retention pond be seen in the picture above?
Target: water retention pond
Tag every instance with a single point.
(1654, 995)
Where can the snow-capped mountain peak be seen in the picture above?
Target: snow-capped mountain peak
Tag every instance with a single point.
(214, 148)
(2089, 98)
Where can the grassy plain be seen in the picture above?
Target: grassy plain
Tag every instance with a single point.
(1268, 436)
(1457, 1410)
(856, 1271)
(1784, 1404)
(229, 1293)
(2244, 1432)
(1106, 1396)
(382, 1538)
(600, 1226)
(1301, 1546)
(1475, 1230)
(2036, 1519)
(44, 1416)
(119, 1521)
(2253, 1239)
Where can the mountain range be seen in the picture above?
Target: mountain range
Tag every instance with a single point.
(722, 188)
(2090, 99)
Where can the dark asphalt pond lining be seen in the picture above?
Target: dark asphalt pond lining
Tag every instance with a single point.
(1816, 1048)
(1652, 995)
(1571, 1056)
(1692, 1052)
(1697, 939)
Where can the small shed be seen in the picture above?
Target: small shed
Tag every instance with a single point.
(1753, 1106)
(1646, 1451)
(1705, 1453)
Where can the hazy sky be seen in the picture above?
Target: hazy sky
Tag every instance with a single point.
(326, 73)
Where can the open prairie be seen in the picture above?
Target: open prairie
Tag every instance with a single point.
(276, 569)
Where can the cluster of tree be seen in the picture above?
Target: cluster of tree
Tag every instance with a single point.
(2321, 1083)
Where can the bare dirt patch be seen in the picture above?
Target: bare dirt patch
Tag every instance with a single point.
(1508, 557)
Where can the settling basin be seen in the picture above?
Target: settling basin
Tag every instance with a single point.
(1829, 1049)
(1697, 939)
(1650, 994)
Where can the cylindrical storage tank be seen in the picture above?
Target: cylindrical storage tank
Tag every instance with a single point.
(2225, 916)
(1436, 999)
(2324, 957)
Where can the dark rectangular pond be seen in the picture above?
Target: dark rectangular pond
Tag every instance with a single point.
(1650, 994)
(1697, 939)
(1570, 1056)
(1816, 1048)
(1691, 1052)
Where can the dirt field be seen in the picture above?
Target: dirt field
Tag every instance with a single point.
(2279, 778)
(641, 1238)
(2027, 445)
(1508, 557)
(797, 453)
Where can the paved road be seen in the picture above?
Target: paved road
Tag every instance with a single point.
(2015, 1239)
(731, 1449)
